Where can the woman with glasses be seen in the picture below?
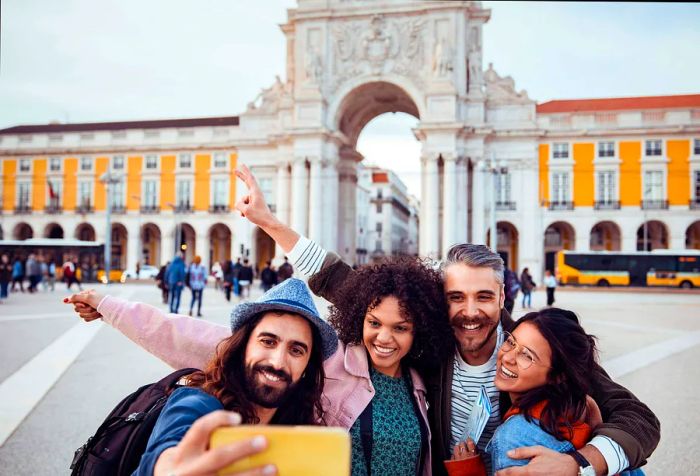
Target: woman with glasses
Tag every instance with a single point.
(544, 364)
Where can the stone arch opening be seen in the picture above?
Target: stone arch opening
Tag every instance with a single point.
(188, 241)
(120, 237)
(507, 239)
(151, 244)
(85, 232)
(264, 248)
(692, 236)
(53, 230)
(23, 231)
(606, 236)
(2, 233)
(220, 238)
(558, 236)
(656, 236)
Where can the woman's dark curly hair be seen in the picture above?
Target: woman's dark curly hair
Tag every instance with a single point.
(421, 297)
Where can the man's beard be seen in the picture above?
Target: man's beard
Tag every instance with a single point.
(265, 395)
(473, 345)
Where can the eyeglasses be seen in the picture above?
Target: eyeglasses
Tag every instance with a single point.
(523, 356)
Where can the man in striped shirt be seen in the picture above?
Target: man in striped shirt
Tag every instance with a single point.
(474, 289)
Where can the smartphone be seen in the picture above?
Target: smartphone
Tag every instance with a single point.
(295, 450)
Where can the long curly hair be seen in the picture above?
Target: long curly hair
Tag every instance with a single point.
(420, 293)
(574, 355)
(224, 377)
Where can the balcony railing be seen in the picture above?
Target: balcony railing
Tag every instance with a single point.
(505, 205)
(694, 203)
(118, 209)
(217, 208)
(183, 208)
(22, 209)
(607, 205)
(53, 209)
(561, 205)
(84, 208)
(150, 208)
(654, 204)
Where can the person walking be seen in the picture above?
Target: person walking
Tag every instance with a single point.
(511, 287)
(268, 277)
(227, 271)
(245, 279)
(51, 275)
(218, 274)
(175, 277)
(236, 270)
(286, 271)
(526, 286)
(18, 274)
(197, 283)
(70, 274)
(33, 272)
(5, 276)
(161, 283)
(550, 283)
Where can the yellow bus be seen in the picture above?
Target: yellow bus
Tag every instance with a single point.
(610, 268)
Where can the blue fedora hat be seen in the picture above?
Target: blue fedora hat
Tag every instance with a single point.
(292, 295)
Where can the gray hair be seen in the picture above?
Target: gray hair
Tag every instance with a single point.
(476, 256)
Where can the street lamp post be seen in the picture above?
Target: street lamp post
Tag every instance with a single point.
(108, 179)
(491, 167)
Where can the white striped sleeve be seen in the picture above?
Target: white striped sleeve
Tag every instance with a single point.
(307, 256)
(613, 453)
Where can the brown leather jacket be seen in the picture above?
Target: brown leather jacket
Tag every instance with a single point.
(627, 421)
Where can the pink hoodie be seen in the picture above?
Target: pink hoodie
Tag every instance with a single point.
(181, 341)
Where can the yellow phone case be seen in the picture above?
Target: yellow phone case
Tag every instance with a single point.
(295, 450)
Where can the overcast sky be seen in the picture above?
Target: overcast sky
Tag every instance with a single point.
(86, 60)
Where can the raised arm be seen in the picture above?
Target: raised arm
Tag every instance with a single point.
(179, 341)
(326, 270)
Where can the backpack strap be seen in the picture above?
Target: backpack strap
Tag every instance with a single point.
(366, 435)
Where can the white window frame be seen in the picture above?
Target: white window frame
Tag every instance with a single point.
(227, 191)
(615, 196)
(30, 191)
(598, 150)
(91, 191)
(55, 180)
(662, 172)
(569, 154)
(156, 203)
(155, 169)
(60, 165)
(118, 200)
(178, 181)
(19, 166)
(695, 146)
(226, 157)
(695, 177)
(190, 168)
(112, 163)
(504, 186)
(662, 150)
(554, 198)
(92, 164)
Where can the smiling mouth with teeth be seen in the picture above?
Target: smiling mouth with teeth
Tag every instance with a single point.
(507, 373)
(383, 350)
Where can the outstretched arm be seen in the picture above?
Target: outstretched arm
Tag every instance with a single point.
(179, 341)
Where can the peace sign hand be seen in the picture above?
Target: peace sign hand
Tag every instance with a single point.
(253, 206)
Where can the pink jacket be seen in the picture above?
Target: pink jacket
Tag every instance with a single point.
(181, 341)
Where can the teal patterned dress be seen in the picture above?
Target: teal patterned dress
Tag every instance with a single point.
(396, 439)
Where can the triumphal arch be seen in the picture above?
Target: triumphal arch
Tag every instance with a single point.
(348, 62)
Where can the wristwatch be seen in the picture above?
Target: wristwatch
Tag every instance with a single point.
(584, 467)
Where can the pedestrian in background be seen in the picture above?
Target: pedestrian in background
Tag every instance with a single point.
(268, 277)
(70, 271)
(161, 283)
(227, 270)
(175, 277)
(550, 283)
(285, 272)
(512, 286)
(51, 275)
(245, 279)
(44, 275)
(18, 274)
(236, 281)
(218, 274)
(33, 272)
(5, 276)
(197, 282)
(526, 286)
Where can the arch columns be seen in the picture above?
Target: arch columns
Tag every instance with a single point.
(430, 207)
(133, 240)
(330, 203)
(347, 185)
(202, 245)
(300, 199)
(282, 202)
(478, 235)
(316, 205)
(450, 202)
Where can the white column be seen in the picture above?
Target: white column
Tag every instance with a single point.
(331, 189)
(478, 208)
(430, 209)
(347, 178)
(201, 248)
(462, 202)
(282, 203)
(300, 203)
(449, 202)
(316, 205)
(167, 243)
(132, 246)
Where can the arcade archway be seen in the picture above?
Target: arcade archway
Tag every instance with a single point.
(605, 236)
(558, 236)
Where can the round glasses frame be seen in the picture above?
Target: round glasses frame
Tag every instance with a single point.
(523, 357)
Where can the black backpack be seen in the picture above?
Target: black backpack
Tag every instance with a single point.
(120, 441)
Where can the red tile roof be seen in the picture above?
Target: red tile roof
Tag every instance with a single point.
(113, 126)
(380, 177)
(619, 104)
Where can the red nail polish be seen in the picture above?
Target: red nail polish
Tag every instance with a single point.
(65, 299)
